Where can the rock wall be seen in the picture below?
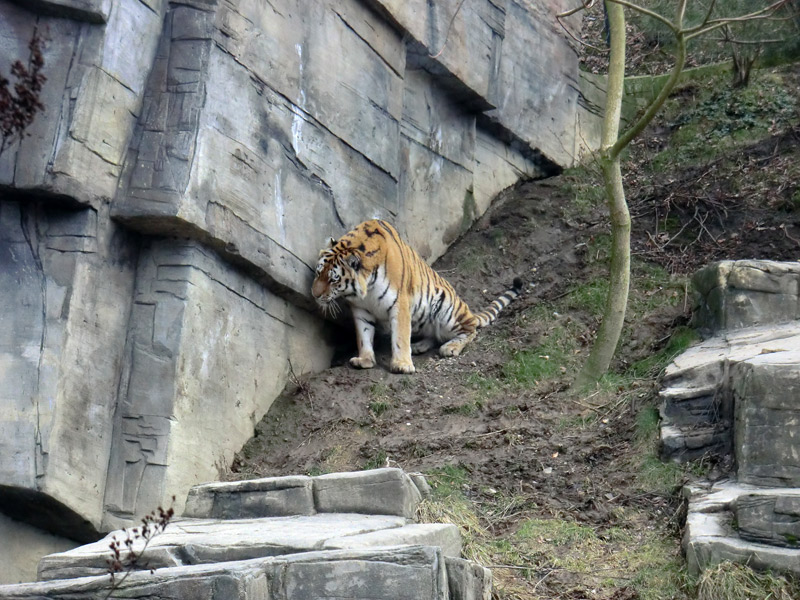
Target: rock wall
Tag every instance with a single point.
(736, 397)
(160, 222)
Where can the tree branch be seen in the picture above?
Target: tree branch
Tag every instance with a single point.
(711, 24)
(648, 12)
(655, 105)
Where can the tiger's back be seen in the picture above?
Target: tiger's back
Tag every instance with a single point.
(387, 283)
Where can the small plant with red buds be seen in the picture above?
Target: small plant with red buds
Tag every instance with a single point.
(19, 106)
(124, 557)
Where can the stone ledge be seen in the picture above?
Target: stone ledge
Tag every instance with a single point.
(770, 518)
(387, 491)
(200, 541)
(732, 294)
(699, 409)
(722, 525)
(395, 573)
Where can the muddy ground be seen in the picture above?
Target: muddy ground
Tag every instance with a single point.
(527, 441)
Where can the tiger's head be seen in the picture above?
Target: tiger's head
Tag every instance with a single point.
(338, 275)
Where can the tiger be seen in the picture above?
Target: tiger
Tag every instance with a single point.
(387, 283)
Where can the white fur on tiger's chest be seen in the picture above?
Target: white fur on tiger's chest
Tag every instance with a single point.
(379, 299)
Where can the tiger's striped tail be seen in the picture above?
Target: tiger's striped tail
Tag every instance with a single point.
(488, 315)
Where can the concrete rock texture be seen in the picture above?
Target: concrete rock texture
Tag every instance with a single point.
(737, 394)
(160, 222)
(292, 557)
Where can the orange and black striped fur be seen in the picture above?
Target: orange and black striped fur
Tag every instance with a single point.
(386, 283)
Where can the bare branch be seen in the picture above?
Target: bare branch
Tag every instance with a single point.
(727, 39)
(586, 4)
(711, 24)
(655, 105)
(572, 35)
(709, 11)
(649, 13)
(680, 13)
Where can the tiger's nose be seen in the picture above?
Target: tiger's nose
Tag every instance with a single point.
(317, 288)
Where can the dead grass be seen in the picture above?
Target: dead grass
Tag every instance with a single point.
(729, 581)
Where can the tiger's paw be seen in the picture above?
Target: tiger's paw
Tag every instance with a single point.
(451, 349)
(362, 363)
(422, 346)
(399, 366)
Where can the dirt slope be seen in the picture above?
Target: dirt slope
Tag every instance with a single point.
(568, 497)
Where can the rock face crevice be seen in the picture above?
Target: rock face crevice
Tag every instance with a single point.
(736, 395)
(161, 220)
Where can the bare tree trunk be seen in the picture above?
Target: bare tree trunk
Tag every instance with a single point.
(743, 61)
(612, 145)
(614, 315)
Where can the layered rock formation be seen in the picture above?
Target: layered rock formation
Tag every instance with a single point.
(159, 224)
(737, 394)
(344, 535)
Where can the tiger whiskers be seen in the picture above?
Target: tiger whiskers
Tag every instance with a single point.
(331, 309)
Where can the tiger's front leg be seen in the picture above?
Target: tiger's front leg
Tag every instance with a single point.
(365, 333)
(400, 319)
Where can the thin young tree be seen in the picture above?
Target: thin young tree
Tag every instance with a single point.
(613, 142)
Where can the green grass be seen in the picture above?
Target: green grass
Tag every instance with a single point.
(584, 185)
(377, 461)
(529, 367)
(381, 398)
(679, 342)
(718, 118)
(378, 407)
(484, 387)
(554, 531)
(590, 296)
(448, 481)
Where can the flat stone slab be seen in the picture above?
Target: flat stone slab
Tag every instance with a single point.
(405, 573)
(197, 541)
(387, 491)
(714, 529)
(266, 497)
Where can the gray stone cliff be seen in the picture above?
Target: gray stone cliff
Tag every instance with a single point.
(160, 222)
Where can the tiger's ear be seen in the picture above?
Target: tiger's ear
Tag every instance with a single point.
(354, 262)
(331, 242)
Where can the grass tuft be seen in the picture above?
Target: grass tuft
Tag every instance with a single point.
(729, 581)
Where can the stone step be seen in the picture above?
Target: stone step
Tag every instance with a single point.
(399, 573)
(199, 541)
(742, 523)
(388, 491)
(733, 294)
(741, 384)
(689, 443)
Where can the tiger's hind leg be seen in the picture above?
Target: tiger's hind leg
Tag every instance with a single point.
(422, 346)
(456, 345)
(365, 333)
